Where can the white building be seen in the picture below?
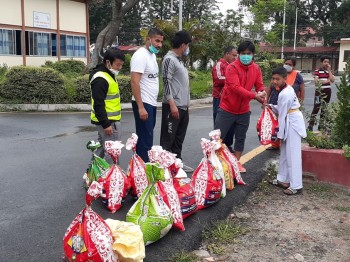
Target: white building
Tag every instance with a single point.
(344, 53)
(35, 31)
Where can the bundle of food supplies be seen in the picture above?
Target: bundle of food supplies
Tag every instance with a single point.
(206, 180)
(228, 161)
(184, 189)
(267, 126)
(166, 188)
(90, 238)
(97, 167)
(150, 210)
(115, 183)
(136, 169)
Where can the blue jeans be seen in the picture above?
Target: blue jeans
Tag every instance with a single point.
(144, 129)
(228, 140)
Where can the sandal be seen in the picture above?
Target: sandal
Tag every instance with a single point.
(277, 183)
(290, 191)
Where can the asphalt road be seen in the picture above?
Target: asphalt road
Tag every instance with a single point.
(43, 158)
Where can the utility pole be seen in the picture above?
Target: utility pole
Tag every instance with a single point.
(180, 15)
(284, 24)
(295, 28)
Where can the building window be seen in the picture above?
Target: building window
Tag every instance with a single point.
(38, 44)
(346, 55)
(8, 42)
(73, 46)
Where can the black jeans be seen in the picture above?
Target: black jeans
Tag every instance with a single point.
(240, 124)
(173, 131)
(228, 140)
(322, 98)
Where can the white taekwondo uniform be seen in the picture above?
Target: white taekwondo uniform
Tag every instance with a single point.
(291, 130)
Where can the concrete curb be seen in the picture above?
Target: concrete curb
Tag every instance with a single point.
(78, 107)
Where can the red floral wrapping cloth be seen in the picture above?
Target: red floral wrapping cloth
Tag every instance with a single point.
(267, 126)
(136, 169)
(88, 237)
(206, 182)
(225, 155)
(166, 188)
(115, 183)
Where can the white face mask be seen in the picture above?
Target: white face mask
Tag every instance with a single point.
(288, 68)
(114, 72)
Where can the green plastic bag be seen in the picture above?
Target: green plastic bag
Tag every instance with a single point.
(149, 211)
(97, 167)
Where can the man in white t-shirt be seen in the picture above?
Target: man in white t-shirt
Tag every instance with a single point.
(145, 87)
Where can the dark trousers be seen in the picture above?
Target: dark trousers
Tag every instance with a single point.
(322, 98)
(240, 124)
(173, 131)
(228, 140)
(144, 129)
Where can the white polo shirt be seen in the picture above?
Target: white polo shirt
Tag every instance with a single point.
(144, 62)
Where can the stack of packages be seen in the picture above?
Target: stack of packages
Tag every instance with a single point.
(90, 238)
(114, 182)
(166, 187)
(206, 181)
(267, 127)
(136, 169)
(184, 189)
(97, 167)
(150, 211)
(228, 160)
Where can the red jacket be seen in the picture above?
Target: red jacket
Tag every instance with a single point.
(218, 74)
(237, 92)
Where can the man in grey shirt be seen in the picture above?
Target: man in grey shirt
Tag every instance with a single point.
(176, 96)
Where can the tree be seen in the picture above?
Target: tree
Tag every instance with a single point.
(108, 34)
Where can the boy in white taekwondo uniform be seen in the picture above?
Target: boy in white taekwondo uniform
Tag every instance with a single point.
(291, 130)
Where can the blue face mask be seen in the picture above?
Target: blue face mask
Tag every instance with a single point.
(153, 50)
(245, 59)
(187, 52)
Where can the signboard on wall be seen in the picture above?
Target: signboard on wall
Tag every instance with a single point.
(42, 20)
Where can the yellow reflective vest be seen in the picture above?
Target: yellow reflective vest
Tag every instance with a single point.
(112, 100)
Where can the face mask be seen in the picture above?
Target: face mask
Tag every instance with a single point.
(288, 68)
(245, 59)
(186, 52)
(152, 49)
(114, 72)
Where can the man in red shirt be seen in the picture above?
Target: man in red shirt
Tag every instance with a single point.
(323, 78)
(218, 73)
(241, 76)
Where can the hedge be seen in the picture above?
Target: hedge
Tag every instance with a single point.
(68, 67)
(83, 92)
(34, 85)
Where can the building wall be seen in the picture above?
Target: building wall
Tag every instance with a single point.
(72, 28)
(10, 13)
(42, 6)
(10, 60)
(344, 45)
(72, 16)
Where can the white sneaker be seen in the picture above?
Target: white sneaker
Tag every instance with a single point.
(187, 169)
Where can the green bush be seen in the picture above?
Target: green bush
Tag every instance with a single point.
(126, 66)
(276, 63)
(82, 89)
(124, 83)
(34, 85)
(3, 70)
(192, 74)
(342, 119)
(67, 67)
(266, 70)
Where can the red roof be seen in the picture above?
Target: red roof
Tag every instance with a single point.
(304, 49)
(128, 47)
